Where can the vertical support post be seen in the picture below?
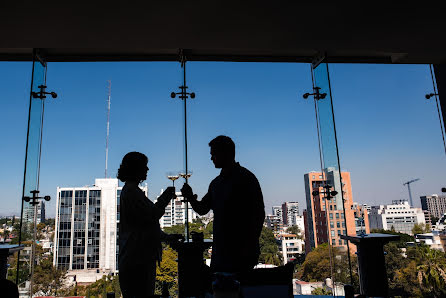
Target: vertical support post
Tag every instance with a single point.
(33, 250)
(440, 78)
(184, 94)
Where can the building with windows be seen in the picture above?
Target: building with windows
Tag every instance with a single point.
(87, 228)
(324, 218)
(291, 247)
(435, 204)
(290, 212)
(277, 210)
(361, 213)
(399, 216)
(28, 213)
(274, 222)
(433, 240)
(175, 213)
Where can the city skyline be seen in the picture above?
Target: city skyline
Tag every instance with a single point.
(387, 132)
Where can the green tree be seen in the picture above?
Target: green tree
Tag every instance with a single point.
(196, 226)
(405, 282)
(51, 222)
(421, 228)
(269, 250)
(167, 272)
(321, 291)
(100, 288)
(47, 278)
(394, 261)
(316, 266)
(12, 270)
(431, 273)
(209, 230)
(434, 219)
(295, 230)
(420, 274)
(404, 238)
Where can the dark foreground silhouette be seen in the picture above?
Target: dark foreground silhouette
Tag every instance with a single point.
(139, 233)
(235, 197)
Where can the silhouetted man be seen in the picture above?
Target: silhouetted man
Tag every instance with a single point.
(237, 202)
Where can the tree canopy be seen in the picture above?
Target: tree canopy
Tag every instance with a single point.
(421, 228)
(269, 249)
(316, 266)
(404, 238)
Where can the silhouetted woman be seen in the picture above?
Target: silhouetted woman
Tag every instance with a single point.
(139, 231)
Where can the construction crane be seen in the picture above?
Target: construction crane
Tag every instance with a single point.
(408, 187)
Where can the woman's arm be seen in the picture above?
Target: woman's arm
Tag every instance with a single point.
(140, 211)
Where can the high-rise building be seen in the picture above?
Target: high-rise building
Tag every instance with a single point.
(87, 227)
(274, 222)
(28, 213)
(41, 212)
(290, 212)
(427, 217)
(175, 213)
(435, 204)
(277, 211)
(399, 215)
(324, 219)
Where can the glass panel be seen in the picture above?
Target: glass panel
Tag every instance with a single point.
(33, 146)
(327, 133)
(334, 179)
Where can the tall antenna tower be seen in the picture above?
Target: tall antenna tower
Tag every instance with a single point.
(108, 125)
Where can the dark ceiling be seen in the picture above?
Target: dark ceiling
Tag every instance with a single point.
(368, 32)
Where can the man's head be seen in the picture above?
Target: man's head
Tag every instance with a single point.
(222, 151)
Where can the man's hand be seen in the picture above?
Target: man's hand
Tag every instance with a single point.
(167, 195)
(187, 192)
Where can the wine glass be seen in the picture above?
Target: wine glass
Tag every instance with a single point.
(172, 176)
(185, 175)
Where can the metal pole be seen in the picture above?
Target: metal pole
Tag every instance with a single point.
(33, 251)
(183, 90)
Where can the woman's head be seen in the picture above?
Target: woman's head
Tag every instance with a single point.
(133, 167)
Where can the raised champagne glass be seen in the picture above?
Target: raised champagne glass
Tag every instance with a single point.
(172, 176)
(185, 175)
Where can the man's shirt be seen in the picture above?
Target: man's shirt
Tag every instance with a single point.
(236, 199)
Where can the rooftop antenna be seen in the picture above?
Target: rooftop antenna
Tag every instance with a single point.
(108, 125)
(408, 187)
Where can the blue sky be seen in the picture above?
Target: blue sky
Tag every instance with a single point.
(387, 132)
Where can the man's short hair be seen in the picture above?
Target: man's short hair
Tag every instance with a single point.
(223, 144)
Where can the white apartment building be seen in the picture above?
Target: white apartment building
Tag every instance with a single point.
(399, 215)
(87, 228)
(175, 213)
(291, 246)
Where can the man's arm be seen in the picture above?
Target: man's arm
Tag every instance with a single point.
(257, 205)
(201, 207)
